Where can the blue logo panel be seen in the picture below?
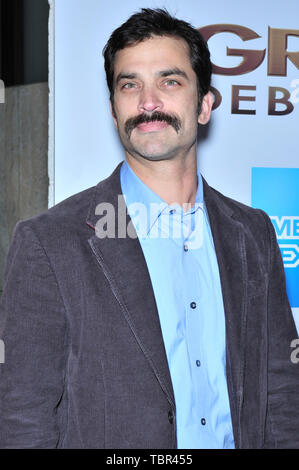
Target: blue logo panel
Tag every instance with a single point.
(276, 191)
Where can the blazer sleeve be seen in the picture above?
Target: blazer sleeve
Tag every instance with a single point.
(33, 329)
(282, 418)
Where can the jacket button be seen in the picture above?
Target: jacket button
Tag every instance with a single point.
(170, 417)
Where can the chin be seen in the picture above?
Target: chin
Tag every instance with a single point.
(156, 158)
(154, 153)
(151, 152)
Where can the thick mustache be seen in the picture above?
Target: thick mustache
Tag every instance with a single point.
(171, 119)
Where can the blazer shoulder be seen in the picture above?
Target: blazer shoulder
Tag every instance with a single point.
(66, 216)
(74, 210)
(239, 209)
(67, 221)
(256, 222)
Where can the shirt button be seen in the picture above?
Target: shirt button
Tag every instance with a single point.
(172, 211)
(198, 363)
(193, 305)
(170, 417)
(203, 421)
(186, 247)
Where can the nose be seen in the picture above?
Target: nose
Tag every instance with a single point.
(150, 100)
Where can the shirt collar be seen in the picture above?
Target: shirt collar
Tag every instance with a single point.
(144, 205)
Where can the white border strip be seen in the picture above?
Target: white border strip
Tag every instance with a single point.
(51, 122)
(295, 312)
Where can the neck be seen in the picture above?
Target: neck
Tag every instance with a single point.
(175, 181)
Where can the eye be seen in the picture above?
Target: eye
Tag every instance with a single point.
(129, 85)
(171, 82)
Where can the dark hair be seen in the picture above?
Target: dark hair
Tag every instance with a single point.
(158, 22)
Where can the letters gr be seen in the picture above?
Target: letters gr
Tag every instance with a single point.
(252, 58)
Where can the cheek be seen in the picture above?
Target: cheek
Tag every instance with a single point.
(124, 104)
(188, 105)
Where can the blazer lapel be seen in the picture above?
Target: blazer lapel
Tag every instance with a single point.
(121, 258)
(228, 236)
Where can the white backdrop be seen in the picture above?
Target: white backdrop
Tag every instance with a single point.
(86, 145)
(83, 142)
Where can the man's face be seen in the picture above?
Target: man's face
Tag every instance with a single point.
(154, 82)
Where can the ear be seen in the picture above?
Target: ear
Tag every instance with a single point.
(206, 108)
(113, 113)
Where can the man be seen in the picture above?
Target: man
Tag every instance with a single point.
(166, 327)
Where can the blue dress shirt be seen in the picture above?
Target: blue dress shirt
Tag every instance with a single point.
(180, 255)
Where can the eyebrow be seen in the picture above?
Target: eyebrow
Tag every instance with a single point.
(175, 71)
(125, 76)
(162, 73)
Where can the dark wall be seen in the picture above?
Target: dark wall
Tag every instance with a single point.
(23, 41)
(23, 115)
